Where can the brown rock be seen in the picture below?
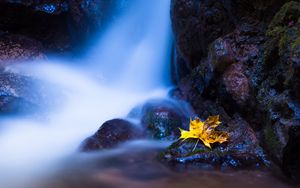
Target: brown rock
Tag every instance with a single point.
(237, 83)
(111, 134)
(16, 48)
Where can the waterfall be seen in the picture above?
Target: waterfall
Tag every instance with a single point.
(128, 65)
(134, 50)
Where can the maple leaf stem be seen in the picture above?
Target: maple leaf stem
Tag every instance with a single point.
(195, 145)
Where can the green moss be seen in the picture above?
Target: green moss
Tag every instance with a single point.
(284, 42)
(288, 11)
(276, 32)
(281, 37)
(198, 151)
(296, 42)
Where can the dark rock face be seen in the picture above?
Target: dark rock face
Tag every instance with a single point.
(86, 16)
(242, 150)
(47, 6)
(44, 21)
(277, 95)
(252, 71)
(196, 24)
(111, 134)
(60, 25)
(15, 48)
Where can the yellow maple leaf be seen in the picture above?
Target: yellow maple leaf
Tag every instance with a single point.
(205, 131)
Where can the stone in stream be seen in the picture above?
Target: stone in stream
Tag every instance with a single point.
(161, 119)
(111, 134)
(21, 94)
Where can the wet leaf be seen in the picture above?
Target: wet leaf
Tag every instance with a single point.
(205, 131)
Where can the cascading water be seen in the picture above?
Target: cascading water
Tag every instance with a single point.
(144, 32)
(128, 65)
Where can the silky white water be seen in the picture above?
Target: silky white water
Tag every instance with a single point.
(128, 66)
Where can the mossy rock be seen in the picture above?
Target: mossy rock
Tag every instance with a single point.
(162, 118)
(284, 33)
(289, 12)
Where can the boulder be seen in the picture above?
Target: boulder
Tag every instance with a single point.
(111, 134)
(241, 151)
(16, 96)
(161, 119)
(21, 94)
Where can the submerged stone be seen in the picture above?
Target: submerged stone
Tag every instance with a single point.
(111, 134)
(161, 119)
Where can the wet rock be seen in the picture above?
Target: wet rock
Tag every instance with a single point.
(162, 118)
(196, 25)
(241, 151)
(220, 55)
(237, 84)
(17, 48)
(252, 71)
(21, 94)
(230, 73)
(277, 96)
(283, 35)
(14, 105)
(111, 134)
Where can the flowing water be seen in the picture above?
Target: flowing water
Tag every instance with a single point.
(127, 66)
